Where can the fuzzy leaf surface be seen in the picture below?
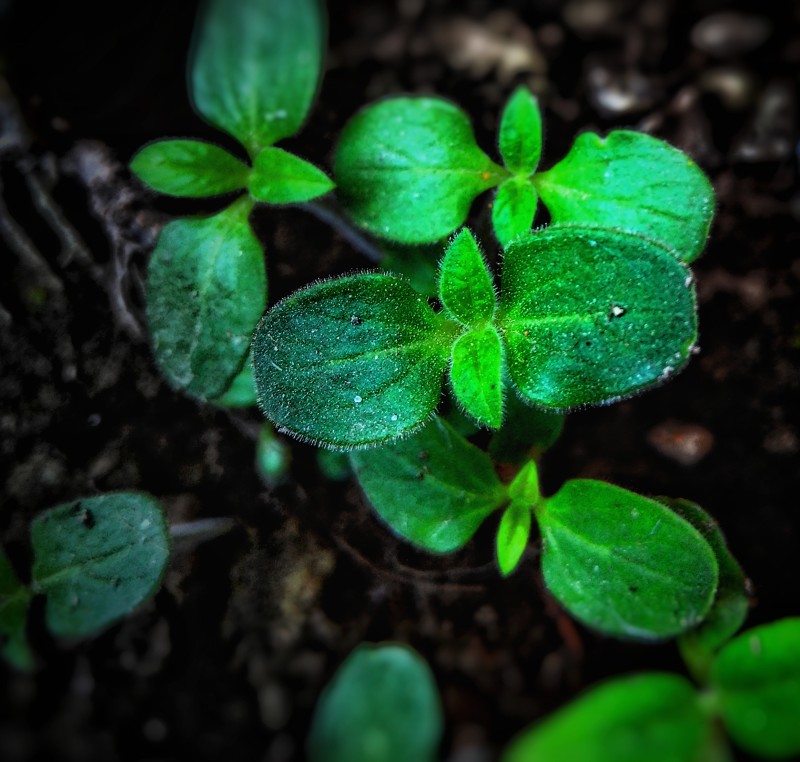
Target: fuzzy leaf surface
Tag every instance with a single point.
(465, 284)
(512, 536)
(624, 564)
(98, 558)
(206, 289)
(434, 489)
(351, 362)
(14, 601)
(189, 168)
(280, 177)
(651, 716)
(408, 169)
(632, 181)
(757, 676)
(256, 66)
(381, 706)
(591, 315)
(520, 138)
(476, 375)
(513, 210)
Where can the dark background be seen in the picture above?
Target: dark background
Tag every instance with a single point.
(229, 658)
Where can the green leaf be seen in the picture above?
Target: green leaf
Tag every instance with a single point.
(255, 67)
(381, 706)
(591, 315)
(14, 601)
(465, 283)
(98, 558)
(513, 210)
(476, 375)
(280, 177)
(408, 169)
(189, 168)
(757, 676)
(520, 136)
(633, 181)
(206, 289)
(418, 264)
(242, 389)
(650, 716)
(526, 432)
(624, 564)
(351, 362)
(512, 536)
(524, 488)
(273, 457)
(434, 489)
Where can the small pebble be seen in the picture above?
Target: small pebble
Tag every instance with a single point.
(687, 443)
(728, 34)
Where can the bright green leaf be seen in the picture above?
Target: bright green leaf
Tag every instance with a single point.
(465, 283)
(632, 181)
(273, 457)
(14, 601)
(525, 486)
(513, 210)
(189, 168)
(652, 716)
(280, 177)
(757, 676)
(98, 558)
(256, 65)
(520, 135)
(381, 706)
(202, 269)
(351, 362)
(433, 489)
(476, 375)
(624, 564)
(526, 432)
(591, 315)
(408, 169)
(512, 536)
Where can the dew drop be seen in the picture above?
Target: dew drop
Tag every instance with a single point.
(617, 311)
(394, 417)
(357, 399)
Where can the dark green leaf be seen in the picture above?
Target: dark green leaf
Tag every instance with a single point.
(591, 315)
(242, 389)
(512, 536)
(351, 362)
(476, 375)
(255, 67)
(206, 290)
(98, 558)
(513, 210)
(526, 432)
(632, 181)
(280, 177)
(381, 706)
(189, 168)
(652, 716)
(433, 489)
(14, 600)
(408, 169)
(418, 264)
(521, 132)
(624, 564)
(757, 676)
(465, 284)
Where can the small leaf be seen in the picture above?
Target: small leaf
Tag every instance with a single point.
(465, 284)
(273, 457)
(521, 132)
(381, 706)
(351, 362)
(512, 536)
(591, 315)
(408, 169)
(98, 558)
(650, 716)
(242, 389)
(526, 432)
(255, 67)
(513, 210)
(202, 270)
(757, 676)
(624, 564)
(476, 375)
(525, 486)
(14, 601)
(434, 489)
(189, 168)
(632, 181)
(280, 177)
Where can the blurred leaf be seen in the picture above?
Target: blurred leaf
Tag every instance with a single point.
(526, 432)
(512, 536)
(520, 138)
(280, 177)
(14, 601)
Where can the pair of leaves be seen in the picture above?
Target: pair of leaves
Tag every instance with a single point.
(408, 169)
(586, 316)
(95, 560)
(755, 688)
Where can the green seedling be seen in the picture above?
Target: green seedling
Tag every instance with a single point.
(95, 560)
(253, 74)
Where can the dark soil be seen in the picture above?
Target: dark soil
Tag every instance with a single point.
(229, 658)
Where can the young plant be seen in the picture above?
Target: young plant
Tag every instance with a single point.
(253, 74)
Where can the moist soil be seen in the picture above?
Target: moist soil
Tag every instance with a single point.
(254, 617)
